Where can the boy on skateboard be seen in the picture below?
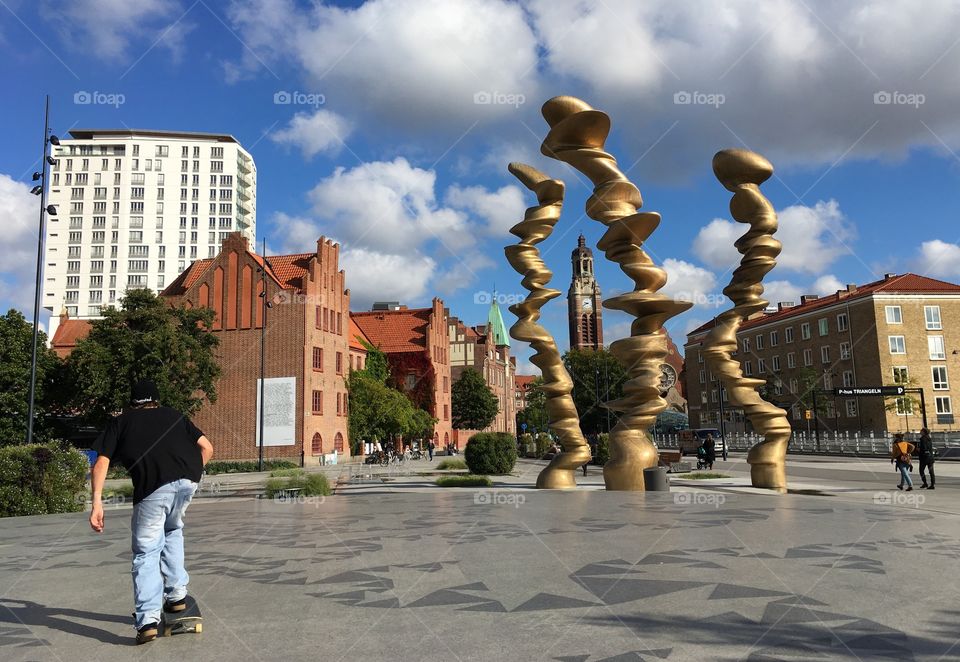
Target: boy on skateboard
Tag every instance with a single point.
(165, 453)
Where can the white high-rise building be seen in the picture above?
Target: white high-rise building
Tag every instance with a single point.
(135, 208)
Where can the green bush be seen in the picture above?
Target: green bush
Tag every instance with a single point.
(491, 453)
(40, 479)
(215, 467)
(313, 484)
(117, 471)
(601, 452)
(464, 481)
(543, 442)
(118, 492)
(447, 465)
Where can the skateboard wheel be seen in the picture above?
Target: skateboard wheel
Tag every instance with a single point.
(199, 627)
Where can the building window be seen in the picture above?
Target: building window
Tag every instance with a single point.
(446, 384)
(824, 326)
(759, 341)
(791, 360)
(827, 381)
(339, 410)
(339, 363)
(940, 378)
(844, 351)
(746, 345)
(446, 412)
(901, 374)
(774, 338)
(703, 376)
(894, 315)
(825, 354)
(932, 316)
(943, 404)
(794, 386)
(904, 406)
(788, 334)
(897, 344)
(317, 405)
(699, 357)
(318, 359)
(775, 363)
(805, 331)
(761, 367)
(808, 357)
(848, 378)
(748, 368)
(937, 349)
(842, 324)
(851, 408)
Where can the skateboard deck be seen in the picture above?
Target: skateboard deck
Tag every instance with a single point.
(188, 620)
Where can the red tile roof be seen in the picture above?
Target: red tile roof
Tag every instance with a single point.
(395, 330)
(357, 336)
(893, 284)
(287, 270)
(523, 382)
(67, 335)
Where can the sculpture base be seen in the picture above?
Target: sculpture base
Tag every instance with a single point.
(767, 462)
(631, 451)
(559, 474)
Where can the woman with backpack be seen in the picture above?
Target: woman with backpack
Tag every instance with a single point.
(900, 454)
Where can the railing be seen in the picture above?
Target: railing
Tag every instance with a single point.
(830, 443)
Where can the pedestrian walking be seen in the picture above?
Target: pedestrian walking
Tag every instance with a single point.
(927, 458)
(900, 453)
(165, 453)
(709, 451)
(430, 448)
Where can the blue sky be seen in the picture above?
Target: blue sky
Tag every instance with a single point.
(386, 148)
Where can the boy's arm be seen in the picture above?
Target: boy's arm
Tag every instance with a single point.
(97, 476)
(206, 449)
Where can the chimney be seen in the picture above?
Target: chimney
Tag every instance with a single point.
(889, 276)
(807, 298)
(851, 288)
(783, 305)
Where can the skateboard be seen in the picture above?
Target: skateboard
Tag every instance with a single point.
(188, 620)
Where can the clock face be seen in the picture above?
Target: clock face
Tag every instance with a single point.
(587, 304)
(668, 377)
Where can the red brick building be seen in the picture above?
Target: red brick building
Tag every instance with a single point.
(418, 353)
(523, 384)
(68, 333)
(306, 339)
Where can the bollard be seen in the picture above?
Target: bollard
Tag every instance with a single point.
(655, 479)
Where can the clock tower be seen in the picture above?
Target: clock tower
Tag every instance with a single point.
(583, 301)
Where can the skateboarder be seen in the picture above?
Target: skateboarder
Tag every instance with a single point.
(165, 453)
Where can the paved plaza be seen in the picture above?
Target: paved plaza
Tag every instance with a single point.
(706, 572)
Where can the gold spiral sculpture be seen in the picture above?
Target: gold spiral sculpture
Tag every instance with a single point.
(742, 172)
(537, 224)
(577, 136)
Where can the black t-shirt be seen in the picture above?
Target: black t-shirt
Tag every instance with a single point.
(157, 445)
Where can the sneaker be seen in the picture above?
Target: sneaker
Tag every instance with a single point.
(923, 487)
(910, 489)
(931, 487)
(147, 633)
(175, 606)
(899, 487)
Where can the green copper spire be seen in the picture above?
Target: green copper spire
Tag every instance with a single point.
(496, 326)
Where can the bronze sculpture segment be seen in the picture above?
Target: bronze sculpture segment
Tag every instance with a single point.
(537, 224)
(742, 172)
(577, 137)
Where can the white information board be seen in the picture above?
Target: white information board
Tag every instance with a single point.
(279, 412)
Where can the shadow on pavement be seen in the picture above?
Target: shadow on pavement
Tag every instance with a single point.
(29, 614)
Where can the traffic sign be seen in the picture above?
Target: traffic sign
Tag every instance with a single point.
(808, 414)
(523, 427)
(869, 390)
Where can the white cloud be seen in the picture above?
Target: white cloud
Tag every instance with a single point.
(107, 28)
(322, 131)
(500, 210)
(688, 282)
(19, 212)
(375, 276)
(776, 291)
(463, 272)
(299, 234)
(813, 238)
(938, 259)
(827, 284)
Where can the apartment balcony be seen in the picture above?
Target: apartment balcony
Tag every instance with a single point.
(244, 166)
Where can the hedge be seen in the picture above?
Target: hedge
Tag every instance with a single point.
(312, 484)
(491, 453)
(41, 479)
(601, 452)
(217, 467)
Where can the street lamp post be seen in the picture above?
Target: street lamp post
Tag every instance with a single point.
(41, 190)
(264, 306)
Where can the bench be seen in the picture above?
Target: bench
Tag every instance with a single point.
(288, 493)
(668, 457)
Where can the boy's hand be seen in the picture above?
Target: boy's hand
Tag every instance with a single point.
(96, 518)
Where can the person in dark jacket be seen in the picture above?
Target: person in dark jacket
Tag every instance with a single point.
(709, 451)
(927, 457)
(164, 453)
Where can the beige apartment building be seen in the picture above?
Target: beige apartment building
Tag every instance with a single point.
(902, 329)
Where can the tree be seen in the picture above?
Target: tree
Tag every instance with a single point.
(597, 377)
(474, 406)
(16, 344)
(534, 414)
(421, 424)
(906, 404)
(376, 365)
(145, 338)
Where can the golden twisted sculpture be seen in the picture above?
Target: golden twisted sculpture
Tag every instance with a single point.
(742, 172)
(577, 136)
(537, 224)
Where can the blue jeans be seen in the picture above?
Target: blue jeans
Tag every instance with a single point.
(905, 474)
(158, 571)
